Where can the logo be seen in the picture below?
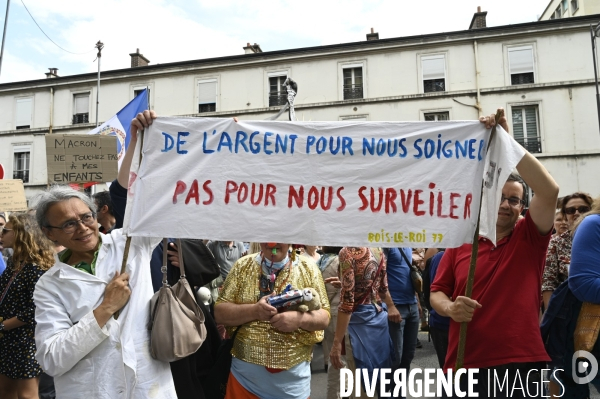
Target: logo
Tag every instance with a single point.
(584, 366)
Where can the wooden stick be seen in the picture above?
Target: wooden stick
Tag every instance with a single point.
(128, 242)
(462, 337)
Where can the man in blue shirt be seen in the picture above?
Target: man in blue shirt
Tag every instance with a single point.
(404, 334)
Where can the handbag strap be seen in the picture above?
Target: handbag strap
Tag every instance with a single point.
(409, 263)
(10, 283)
(163, 269)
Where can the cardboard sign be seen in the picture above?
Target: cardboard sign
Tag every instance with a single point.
(81, 158)
(12, 196)
(401, 184)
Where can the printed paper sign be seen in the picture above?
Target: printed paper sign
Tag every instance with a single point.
(81, 158)
(413, 184)
(12, 196)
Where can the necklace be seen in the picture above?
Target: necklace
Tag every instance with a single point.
(266, 283)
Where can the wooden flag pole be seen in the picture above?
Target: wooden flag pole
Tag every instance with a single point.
(462, 338)
(128, 241)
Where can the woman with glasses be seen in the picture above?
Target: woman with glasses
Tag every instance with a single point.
(32, 256)
(558, 257)
(91, 331)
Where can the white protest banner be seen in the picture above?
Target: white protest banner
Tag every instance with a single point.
(414, 184)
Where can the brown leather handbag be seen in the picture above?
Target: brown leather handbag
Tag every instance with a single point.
(588, 327)
(176, 321)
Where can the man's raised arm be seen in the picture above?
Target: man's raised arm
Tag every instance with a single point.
(543, 204)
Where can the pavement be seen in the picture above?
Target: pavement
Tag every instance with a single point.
(424, 358)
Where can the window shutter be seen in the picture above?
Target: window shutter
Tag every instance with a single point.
(517, 117)
(433, 67)
(520, 60)
(207, 92)
(23, 112)
(531, 122)
(82, 104)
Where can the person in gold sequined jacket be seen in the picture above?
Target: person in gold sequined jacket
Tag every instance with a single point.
(272, 351)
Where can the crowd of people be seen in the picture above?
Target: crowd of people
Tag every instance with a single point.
(61, 288)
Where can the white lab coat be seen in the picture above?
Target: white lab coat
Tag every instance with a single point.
(88, 361)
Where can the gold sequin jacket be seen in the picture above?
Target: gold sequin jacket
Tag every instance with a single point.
(257, 342)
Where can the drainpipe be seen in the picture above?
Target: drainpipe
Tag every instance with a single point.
(51, 110)
(477, 78)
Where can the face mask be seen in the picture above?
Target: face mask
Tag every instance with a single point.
(276, 266)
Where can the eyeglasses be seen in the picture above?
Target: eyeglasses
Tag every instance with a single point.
(572, 209)
(512, 201)
(5, 230)
(87, 219)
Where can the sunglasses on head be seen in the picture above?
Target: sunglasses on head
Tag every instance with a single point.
(572, 209)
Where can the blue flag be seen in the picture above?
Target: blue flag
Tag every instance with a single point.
(119, 125)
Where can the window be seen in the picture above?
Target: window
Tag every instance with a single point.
(434, 73)
(437, 116)
(574, 6)
(565, 4)
(277, 92)
(81, 108)
(137, 92)
(558, 13)
(520, 60)
(207, 96)
(21, 163)
(353, 83)
(23, 120)
(526, 127)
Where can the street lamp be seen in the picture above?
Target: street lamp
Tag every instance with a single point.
(595, 32)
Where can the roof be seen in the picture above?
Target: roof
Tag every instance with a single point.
(266, 56)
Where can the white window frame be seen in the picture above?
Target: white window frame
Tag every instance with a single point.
(435, 111)
(362, 71)
(515, 46)
(437, 54)
(273, 73)
(540, 122)
(349, 64)
(20, 148)
(426, 56)
(78, 93)
(207, 79)
(574, 9)
(142, 86)
(17, 100)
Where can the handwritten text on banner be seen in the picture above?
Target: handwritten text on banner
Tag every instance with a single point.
(81, 158)
(323, 183)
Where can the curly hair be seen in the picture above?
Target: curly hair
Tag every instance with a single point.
(30, 244)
